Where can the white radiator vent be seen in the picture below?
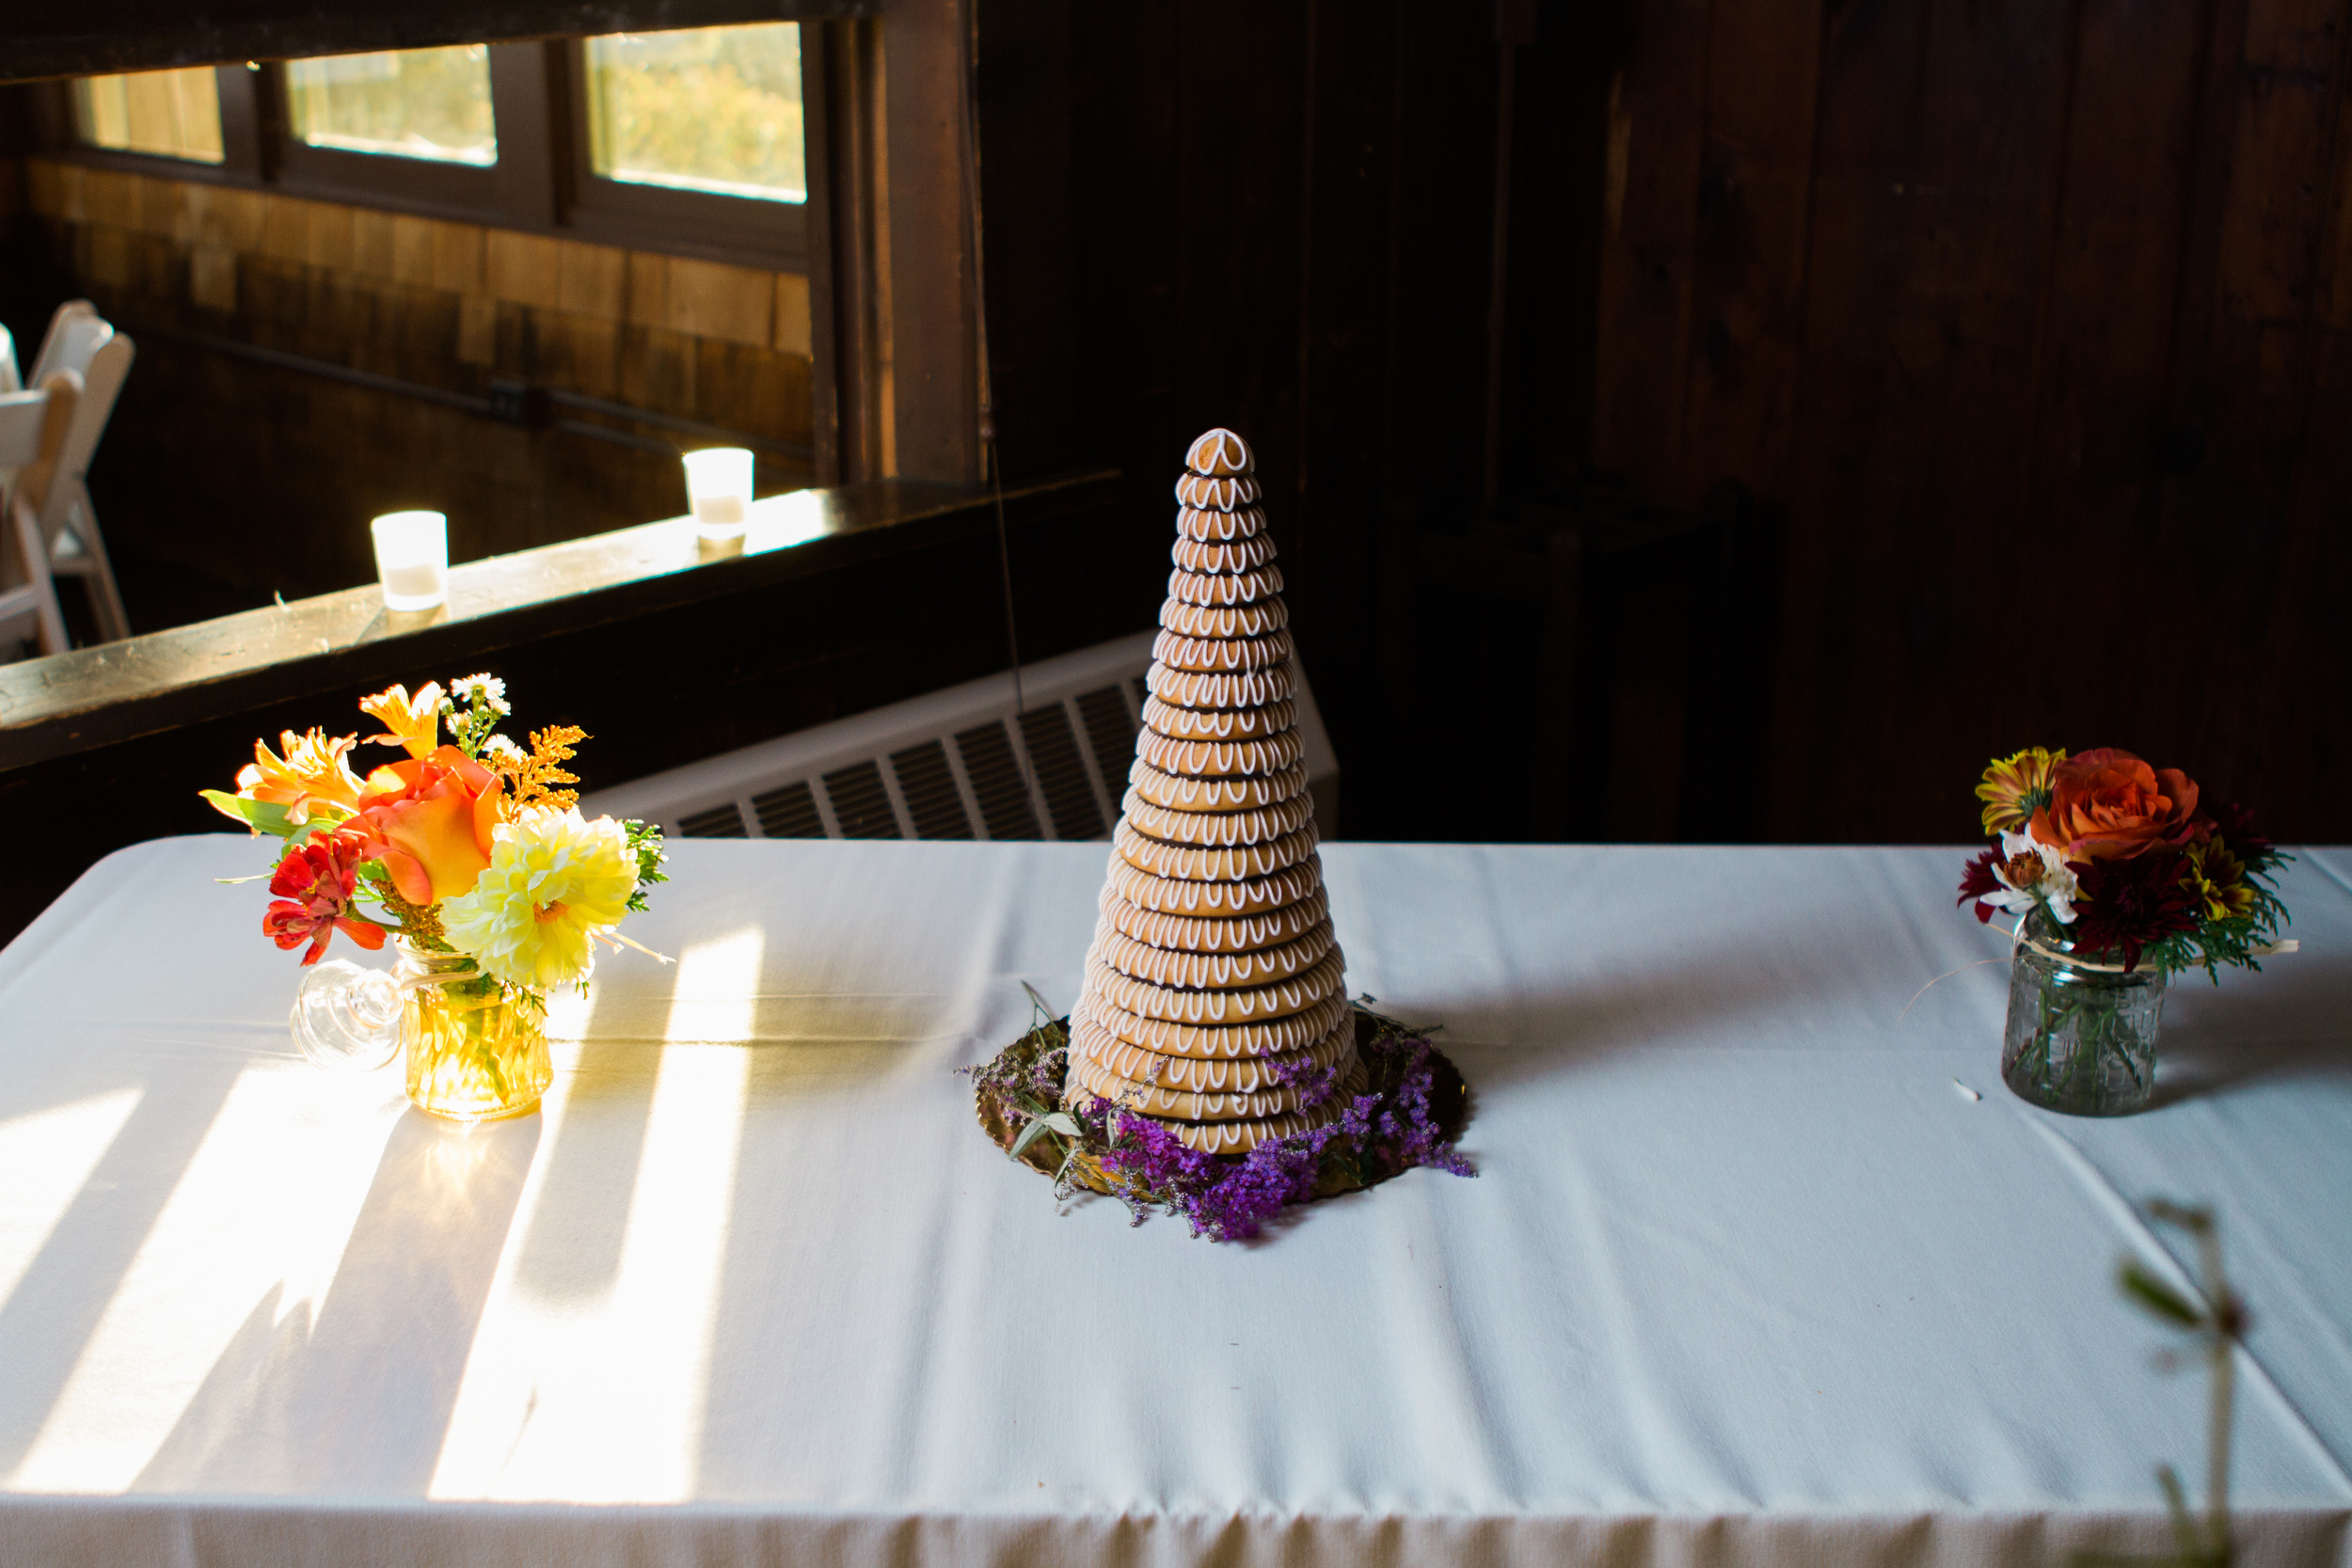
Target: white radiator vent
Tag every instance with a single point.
(960, 763)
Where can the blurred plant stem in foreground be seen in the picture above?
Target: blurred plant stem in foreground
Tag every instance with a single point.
(2218, 1322)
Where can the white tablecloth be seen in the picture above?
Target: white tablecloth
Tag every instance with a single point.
(1746, 1275)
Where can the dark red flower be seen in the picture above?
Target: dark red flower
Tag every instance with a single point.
(2127, 904)
(314, 885)
(2234, 826)
(1978, 880)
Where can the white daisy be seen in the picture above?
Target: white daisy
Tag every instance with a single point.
(2031, 872)
(489, 687)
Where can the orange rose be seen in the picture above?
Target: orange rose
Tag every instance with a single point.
(429, 822)
(2109, 806)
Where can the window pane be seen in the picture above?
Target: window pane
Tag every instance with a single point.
(713, 109)
(170, 114)
(408, 104)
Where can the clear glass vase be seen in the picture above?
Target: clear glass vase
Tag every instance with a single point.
(476, 1049)
(2081, 1037)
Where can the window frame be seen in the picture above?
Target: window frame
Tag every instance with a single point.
(511, 192)
(698, 222)
(542, 183)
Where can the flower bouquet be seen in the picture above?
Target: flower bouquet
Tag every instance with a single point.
(2120, 880)
(472, 854)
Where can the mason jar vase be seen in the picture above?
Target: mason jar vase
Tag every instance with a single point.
(475, 1048)
(2081, 1037)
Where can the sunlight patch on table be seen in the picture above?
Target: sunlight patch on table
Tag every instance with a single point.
(266, 1204)
(631, 1433)
(46, 1160)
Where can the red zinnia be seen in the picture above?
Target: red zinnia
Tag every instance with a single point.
(314, 885)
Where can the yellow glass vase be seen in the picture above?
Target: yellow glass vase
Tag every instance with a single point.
(476, 1049)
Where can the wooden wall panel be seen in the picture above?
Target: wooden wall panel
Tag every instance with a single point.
(1657, 134)
(2027, 314)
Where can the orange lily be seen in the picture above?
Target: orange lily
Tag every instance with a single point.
(414, 721)
(429, 822)
(313, 769)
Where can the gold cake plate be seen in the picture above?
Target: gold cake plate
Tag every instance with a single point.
(1379, 1043)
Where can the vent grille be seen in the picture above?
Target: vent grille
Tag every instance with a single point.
(1061, 774)
(957, 764)
(929, 791)
(997, 782)
(1111, 731)
(789, 812)
(860, 803)
(718, 822)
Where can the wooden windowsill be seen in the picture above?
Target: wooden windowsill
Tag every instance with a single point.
(95, 697)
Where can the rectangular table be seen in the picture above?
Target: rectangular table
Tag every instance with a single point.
(1759, 1265)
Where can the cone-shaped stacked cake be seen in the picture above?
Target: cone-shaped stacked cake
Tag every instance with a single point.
(1215, 1000)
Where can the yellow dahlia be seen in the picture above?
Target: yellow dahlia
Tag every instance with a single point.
(555, 882)
(2013, 788)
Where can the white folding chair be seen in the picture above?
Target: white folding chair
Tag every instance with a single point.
(81, 341)
(8, 381)
(33, 429)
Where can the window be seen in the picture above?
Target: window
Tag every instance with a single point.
(711, 109)
(430, 104)
(164, 114)
(688, 141)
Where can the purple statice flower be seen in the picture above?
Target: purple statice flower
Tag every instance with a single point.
(1379, 1134)
(1314, 1085)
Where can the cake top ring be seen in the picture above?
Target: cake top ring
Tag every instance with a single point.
(1219, 453)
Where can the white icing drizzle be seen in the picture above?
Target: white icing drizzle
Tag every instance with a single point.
(1218, 688)
(1238, 588)
(1240, 1137)
(1210, 971)
(1225, 1043)
(1241, 792)
(1231, 493)
(1195, 555)
(1215, 900)
(1218, 723)
(1183, 1104)
(1211, 829)
(1245, 620)
(1206, 525)
(1219, 759)
(1281, 1000)
(1238, 862)
(1220, 451)
(1188, 934)
(1213, 654)
(1201, 1074)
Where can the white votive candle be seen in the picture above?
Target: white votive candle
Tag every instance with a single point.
(719, 487)
(412, 559)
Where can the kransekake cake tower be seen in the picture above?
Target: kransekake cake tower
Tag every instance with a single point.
(1215, 994)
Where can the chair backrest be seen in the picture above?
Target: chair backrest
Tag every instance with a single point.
(21, 415)
(99, 381)
(9, 382)
(35, 427)
(77, 331)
